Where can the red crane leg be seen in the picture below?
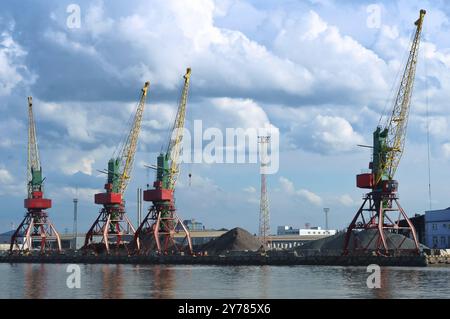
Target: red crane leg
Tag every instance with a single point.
(381, 205)
(37, 228)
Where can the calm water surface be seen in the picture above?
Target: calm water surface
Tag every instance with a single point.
(196, 281)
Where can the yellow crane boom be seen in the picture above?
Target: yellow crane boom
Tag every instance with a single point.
(175, 145)
(129, 148)
(397, 123)
(34, 176)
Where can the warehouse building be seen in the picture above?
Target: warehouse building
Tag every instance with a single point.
(437, 228)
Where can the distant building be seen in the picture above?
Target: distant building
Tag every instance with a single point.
(437, 228)
(313, 231)
(288, 237)
(418, 222)
(317, 231)
(5, 240)
(287, 230)
(192, 224)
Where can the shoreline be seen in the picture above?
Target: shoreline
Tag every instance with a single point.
(237, 260)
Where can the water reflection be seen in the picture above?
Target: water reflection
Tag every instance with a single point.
(355, 283)
(35, 281)
(112, 281)
(384, 292)
(264, 274)
(163, 282)
(355, 280)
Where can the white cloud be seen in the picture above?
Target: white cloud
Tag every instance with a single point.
(287, 185)
(9, 185)
(338, 62)
(239, 15)
(198, 181)
(391, 32)
(88, 122)
(310, 196)
(169, 35)
(446, 150)
(251, 195)
(83, 194)
(232, 116)
(239, 113)
(76, 122)
(308, 129)
(346, 200)
(71, 161)
(61, 38)
(12, 68)
(159, 116)
(83, 165)
(10, 132)
(333, 133)
(5, 176)
(96, 21)
(315, 26)
(438, 126)
(250, 190)
(326, 83)
(289, 188)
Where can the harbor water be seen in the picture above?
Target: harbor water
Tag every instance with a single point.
(197, 281)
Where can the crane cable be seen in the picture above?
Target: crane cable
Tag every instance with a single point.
(395, 84)
(128, 126)
(189, 120)
(428, 134)
(170, 126)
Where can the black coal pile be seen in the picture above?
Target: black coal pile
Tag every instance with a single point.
(236, 239)
(148, 244)
(99, 249)
(335, 244)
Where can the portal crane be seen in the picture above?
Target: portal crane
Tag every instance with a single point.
(388, 145)
(36, 229)
(112, 223)
(161, 222)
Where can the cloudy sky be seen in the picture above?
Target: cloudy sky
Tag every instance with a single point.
(321, 71)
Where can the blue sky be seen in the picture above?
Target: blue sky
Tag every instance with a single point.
(320, 71)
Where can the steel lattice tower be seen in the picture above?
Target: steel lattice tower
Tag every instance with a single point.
(264, 215)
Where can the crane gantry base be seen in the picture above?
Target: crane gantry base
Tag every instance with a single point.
(111, 226)
(376, 213)
(159, 227)
(35, 231)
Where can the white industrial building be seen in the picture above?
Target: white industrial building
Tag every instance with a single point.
(437, 228)
(312, 231)
(289, 237)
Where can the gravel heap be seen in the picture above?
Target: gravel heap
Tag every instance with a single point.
(336, 243)
(148, 244)
(99, 249)
(236, 239)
